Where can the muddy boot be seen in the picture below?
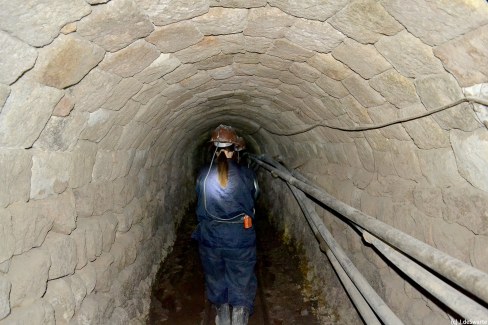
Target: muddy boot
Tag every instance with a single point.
(240, 315)
(223, 315)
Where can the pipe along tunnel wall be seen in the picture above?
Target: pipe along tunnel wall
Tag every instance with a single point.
(104, 106)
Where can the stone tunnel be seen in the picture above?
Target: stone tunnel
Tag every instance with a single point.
(106, 108)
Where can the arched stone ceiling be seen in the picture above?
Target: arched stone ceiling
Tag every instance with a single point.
(277, 63)
(104, 103)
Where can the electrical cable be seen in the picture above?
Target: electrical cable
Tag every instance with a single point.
(373, 126)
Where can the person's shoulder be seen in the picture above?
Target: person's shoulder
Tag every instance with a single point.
(247, 171)
(203, 170)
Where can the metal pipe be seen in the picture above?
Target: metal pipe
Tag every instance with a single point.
(460, 273)
(364, 309)
(347, 270)
(452, 298)
(350, 276)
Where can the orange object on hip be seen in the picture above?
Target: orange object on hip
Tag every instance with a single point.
(247, 222)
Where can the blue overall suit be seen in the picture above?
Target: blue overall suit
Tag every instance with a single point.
(227, 249)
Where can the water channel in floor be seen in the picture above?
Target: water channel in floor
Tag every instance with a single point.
(178, 293)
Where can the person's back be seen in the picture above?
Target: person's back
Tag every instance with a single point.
(227, 240)
(225, 205)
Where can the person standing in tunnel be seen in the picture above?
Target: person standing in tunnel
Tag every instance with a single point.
(226, 193)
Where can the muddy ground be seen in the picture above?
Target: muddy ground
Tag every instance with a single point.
(178, 294)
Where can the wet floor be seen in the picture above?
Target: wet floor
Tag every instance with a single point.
(178, 294)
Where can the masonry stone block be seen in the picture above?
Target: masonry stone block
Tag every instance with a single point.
(39, 27)
(362, 91)
(127, 112)
(122, 93)
(182, 72)
(315, 10)
(62, 249)
(405, 160)
(395, 88)
(79, 237)
(471, 152)
(453, 239)
(63, 211)
(84, 200)
(24, 95)
(221, 21)
(464, 57)
(267, 22)
(89, 277)
(406, 220)
(130, 60)
(123, 192)
(17, 57)
(439, 167)
(6, 233)
(50, 174)
(332, 87)
(425, 132)
(76, 55)
(138, 163)
(115, 25)
(329, 66)
(5, 287)
(103, 271)
(131, 214)
(366, 21)
(152, 90)
(385, 114)
(124, 221)
(112, 138)
(82, 163)
(93, 233)
(289, 51)
(436, 23)
(304, 71)
(89, 312)
(95, 309)
(98, 125)
(119, 317)
(164, 13)
(30, 224)
(39, 312)
(466, 206)
(94, 90)
(163, 65)
(108, 224)
(61, 133)
(314, 35)
(122, 289)
(409, 55)
(64, 106)
(78, 289)
(124, 250)
(480, 250)
(429, 201)
(168, 40)
(16, 166)
(4, 93)
(104, 197)
(28, 275)
(438, 90)
(363, 59)
(60, 296)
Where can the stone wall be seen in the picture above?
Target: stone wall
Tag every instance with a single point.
(103, 105)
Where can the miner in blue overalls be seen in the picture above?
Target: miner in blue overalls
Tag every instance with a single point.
(226, 193)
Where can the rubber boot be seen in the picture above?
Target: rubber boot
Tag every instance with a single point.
(223, 315)
(240, 315)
